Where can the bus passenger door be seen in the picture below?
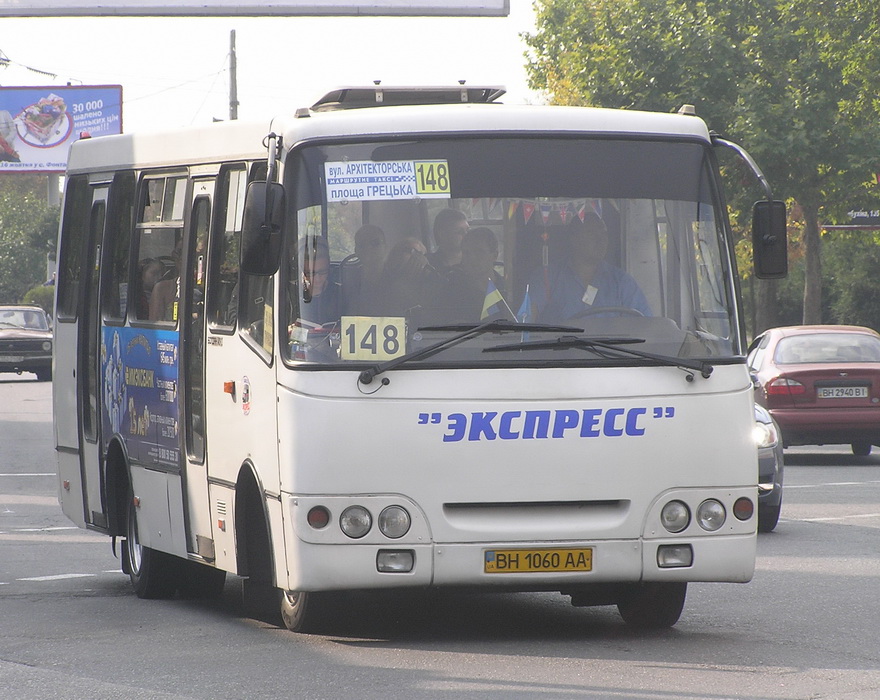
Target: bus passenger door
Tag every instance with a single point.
(240, 389)
(195, 486)
(87, 366)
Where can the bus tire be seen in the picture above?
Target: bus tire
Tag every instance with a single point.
(652, 605)
(768, 517)
(152, 573)
(301, 612)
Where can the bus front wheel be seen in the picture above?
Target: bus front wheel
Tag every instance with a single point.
(303, 612)
(652, 605)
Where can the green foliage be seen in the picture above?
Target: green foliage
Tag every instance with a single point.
(795, 81)
(852, 265)
(28, 228)
(41, 296)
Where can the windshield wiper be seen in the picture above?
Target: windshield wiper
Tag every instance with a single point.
(598, 344)
(465, 332)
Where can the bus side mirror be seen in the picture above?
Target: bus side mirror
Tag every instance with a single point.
(769, 239)
(262, 225)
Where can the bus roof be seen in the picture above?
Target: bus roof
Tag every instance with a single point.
(224, 141)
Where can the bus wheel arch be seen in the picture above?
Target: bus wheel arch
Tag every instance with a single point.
(253, 549)
(116, 483)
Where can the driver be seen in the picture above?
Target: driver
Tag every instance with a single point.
(585, 280)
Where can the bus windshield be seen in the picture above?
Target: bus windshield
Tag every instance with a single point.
(393, 246)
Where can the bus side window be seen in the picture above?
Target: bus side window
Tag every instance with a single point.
(223, 290)
(158, 250)
(117, 250)
(77, 203)
(258, 311)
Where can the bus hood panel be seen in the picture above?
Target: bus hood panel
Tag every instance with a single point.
(516, 468)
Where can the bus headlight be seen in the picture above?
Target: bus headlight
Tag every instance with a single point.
(355, 521)
(394, 522)
(675, 516)
(47, 345)
(711, 515)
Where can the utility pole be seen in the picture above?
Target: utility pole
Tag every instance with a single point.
(233, 78)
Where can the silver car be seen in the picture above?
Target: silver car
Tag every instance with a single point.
(770, 467)
(25, 341)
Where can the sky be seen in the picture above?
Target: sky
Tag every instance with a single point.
(175, 70)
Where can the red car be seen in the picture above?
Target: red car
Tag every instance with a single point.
(820, 383)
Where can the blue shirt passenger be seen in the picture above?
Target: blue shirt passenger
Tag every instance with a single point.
(585, 281)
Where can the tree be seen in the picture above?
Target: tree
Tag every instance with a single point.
(796, 81)
(28, 228)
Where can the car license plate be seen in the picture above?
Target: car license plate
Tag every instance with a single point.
(842, 392)
(523, 561)
(14, 359)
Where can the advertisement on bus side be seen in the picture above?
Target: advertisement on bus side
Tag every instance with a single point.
(139, 369)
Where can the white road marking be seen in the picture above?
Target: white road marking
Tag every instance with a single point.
(842, 517)
(832, 483)
(56, 577)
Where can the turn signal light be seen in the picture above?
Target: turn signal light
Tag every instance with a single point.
(318, 517)
(743, 508)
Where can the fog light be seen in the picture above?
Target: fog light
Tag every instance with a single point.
(671, 556)
(711, 515)
(395, 561)
(393, 522)
(355, 521)
(744, 508)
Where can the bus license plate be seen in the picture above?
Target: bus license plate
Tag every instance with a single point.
(524, 561)
(843, 392)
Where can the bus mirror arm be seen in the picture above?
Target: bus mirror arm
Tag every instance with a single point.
(769, 227)
(742, 153)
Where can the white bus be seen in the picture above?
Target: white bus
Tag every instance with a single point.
(269, 362)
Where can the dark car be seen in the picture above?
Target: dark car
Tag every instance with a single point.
(25, 341)
(821, 384)
(770, 468)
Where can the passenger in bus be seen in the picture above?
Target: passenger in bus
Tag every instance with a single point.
(151, 271)
(585, 281)
(410, 286)
(450, 226)
(474, 281)
(166, 292)
(318, 295)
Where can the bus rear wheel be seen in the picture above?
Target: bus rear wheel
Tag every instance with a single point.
(652, 605)
(152, 573)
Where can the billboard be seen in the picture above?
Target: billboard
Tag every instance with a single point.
(39, 124)
(69, 8)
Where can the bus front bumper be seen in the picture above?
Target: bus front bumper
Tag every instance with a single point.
(315, 567)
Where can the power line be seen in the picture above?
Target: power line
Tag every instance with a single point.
(5, 61)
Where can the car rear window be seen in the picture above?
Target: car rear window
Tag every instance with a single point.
(828, 347)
